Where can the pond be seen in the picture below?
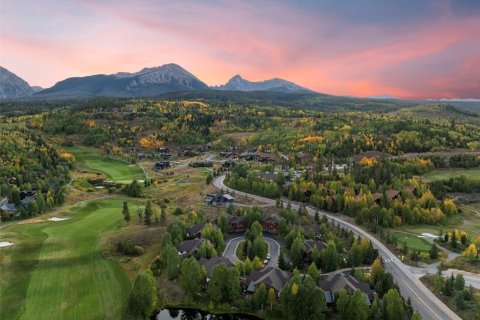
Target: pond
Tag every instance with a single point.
(194, 314)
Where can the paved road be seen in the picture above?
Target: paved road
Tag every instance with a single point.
(429, 306)
(273, 249)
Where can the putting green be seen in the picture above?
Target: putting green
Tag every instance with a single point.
(55, 270)
(451, 173)
(413, 242)
(113, 169)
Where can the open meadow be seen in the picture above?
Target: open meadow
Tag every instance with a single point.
(445, 174)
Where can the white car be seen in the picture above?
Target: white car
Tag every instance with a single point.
(269, 256)
(265, 262)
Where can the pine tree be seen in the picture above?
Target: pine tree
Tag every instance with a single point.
(126, 212)
(148, 214)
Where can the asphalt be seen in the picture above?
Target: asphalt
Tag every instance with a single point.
(423, 300)
(273, 249)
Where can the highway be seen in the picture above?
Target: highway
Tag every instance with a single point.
(427, 304)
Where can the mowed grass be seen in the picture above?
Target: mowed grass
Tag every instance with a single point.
(413, 242)
(115, 170)
(55, 270)
(451, 173)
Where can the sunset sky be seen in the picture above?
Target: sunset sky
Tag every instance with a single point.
(406, 48)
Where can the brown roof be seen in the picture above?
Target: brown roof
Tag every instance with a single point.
(376, 196)
(392, 193)
(409, 188)
(270, 219)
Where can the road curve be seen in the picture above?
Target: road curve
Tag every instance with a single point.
(423, 300)
(230, 251)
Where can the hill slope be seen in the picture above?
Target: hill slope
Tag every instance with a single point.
(12, 86)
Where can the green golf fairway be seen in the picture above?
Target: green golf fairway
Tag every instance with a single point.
(113, 169)
(451, 173)
(55, 270)
(413, 242)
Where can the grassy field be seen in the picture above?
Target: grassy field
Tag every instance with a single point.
(91, 160)
(412, 241)
(55, 270)
(450, 173)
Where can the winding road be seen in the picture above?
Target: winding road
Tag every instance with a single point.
(429, 306)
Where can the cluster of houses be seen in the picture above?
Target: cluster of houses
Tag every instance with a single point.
(273, 277)
(9, 210)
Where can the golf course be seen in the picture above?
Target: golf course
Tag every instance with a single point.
(55, 269)
(115, 170)
(412, 241)
(451, 173)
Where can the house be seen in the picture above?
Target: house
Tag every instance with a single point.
(310, 245)
(27, 197)
(228, 164)
(307, 193)
(25, 194)
(201, 164)
(188, 152)
(190, 247)
(377, 196)
(271, 277)
(270, 223)
(268, 176)
(333, 283)
(7, 209)
(216, 199)
(409, 188)
(212, 262)
(195, 231)
(161, 165)
(312, 231)
(392, 194)
(204, 148)
(236, 224)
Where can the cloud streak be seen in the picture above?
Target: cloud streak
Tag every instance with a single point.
(410, 49)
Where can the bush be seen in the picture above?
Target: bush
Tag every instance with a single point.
(129, 249)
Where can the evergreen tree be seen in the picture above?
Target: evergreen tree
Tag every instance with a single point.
(126, 212)
(141, 300)
(148, 214)
(394, 305)
(191, 276)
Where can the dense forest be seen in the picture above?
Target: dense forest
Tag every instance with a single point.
(32, 173)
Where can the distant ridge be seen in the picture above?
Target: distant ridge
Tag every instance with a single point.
(237, 83)
(146, 82)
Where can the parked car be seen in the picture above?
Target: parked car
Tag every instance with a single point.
(269, 256)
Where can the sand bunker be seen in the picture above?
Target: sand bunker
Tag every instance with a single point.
(57, 219)
(429, 235)
(5, 244)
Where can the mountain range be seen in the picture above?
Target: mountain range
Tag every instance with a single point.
(146, 82)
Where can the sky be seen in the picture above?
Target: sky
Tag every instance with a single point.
(410, 49)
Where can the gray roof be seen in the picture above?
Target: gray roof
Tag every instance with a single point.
(336, 282)
(190, 246)
(9, 207)
(270, 277)
(196, 228)
(310, 244)
(212, 262)
(227, 196)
